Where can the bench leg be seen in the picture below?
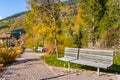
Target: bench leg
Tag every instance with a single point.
(98, 71)
(68, 66)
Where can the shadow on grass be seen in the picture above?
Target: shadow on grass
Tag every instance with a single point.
(113, 69)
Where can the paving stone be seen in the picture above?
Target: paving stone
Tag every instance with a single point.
(28, 67)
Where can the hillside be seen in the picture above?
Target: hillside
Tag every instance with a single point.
(12, 23)
(13, 16)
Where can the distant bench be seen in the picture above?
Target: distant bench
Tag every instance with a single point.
(40, 49)
(89, 57)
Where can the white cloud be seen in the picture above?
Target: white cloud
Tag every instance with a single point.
(0, 17)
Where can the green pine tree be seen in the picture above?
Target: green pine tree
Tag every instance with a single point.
(100, 16)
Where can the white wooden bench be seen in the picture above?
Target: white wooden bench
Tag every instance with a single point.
(95, 58)
(69, 55)
(40, 49)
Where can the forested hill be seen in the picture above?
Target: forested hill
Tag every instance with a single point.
(14, 16)
(13, 25)
(13, 22)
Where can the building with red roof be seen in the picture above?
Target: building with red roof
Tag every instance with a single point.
(5, 36)
(5, 39)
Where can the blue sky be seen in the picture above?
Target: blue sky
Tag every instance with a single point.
(10, 7)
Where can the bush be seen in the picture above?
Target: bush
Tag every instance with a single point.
(8, 55)
(19, 50)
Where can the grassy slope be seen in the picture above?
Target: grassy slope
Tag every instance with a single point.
(15, 21)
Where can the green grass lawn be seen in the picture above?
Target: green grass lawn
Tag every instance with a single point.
(52, 61)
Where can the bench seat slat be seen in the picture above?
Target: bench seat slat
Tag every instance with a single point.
(90, 63)
(67, 58)
(97, 60)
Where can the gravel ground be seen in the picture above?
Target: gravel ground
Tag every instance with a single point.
(30, 67)
(82, 75)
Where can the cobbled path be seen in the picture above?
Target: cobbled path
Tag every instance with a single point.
(28, 67)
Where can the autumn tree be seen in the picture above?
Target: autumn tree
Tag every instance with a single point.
(45, 18)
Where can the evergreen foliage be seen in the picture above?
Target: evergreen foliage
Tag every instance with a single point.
(100, 17)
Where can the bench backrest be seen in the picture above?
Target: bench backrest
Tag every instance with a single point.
(99, 56)
(71, 53)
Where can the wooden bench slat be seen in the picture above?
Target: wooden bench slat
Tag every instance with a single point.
(95, 56)
(67, 58)
(98, 61)
(72, 51)
(69, 54)
(90, 63)
(97, 52)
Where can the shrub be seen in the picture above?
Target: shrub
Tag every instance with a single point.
(8, 55)
(19, 50)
